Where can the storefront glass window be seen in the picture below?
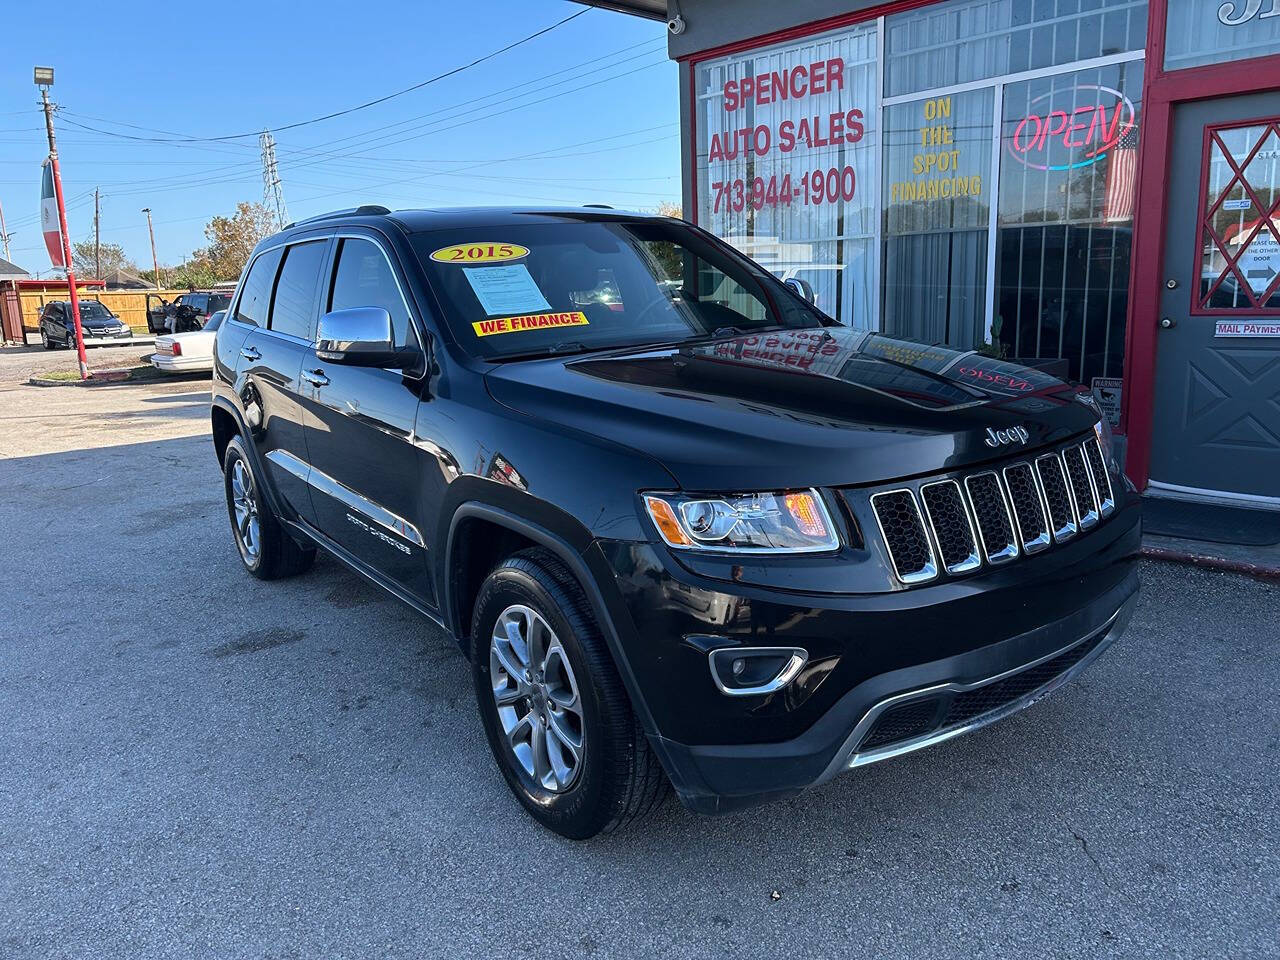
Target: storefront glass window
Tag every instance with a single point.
(1240, 259)
(788, 163)
(937, 187)
(966, 40)
(1069, 148)
(1202, 32)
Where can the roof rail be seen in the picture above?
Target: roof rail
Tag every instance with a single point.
(598, 206)
(364, 210)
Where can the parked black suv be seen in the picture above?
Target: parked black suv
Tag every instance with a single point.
(57, 329)
(691, 531)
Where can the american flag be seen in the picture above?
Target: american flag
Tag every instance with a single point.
(1122, 178)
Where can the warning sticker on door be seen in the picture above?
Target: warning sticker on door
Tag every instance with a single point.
(534, 321)
(1108, 391)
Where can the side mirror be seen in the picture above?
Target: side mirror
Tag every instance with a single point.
(802, 289)
(361, 337)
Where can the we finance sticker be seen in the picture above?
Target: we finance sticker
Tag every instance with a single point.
(469, 254)
(530, 321)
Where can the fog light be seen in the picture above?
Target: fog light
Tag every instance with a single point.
(752, 671)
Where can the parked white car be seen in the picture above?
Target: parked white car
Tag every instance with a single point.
(186, 352)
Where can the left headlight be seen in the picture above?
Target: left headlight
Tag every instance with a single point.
(793, 521)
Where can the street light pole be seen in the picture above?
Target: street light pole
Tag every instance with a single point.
(155, 264)
(97, 244)
(62, 219)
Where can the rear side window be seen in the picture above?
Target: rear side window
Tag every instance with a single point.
(295, 301)
(252, 307)
(198, 301)
(364, 279)
(219, 301)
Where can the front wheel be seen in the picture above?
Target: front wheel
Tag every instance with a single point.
(44, 338)
(557, 718)
(266, 549)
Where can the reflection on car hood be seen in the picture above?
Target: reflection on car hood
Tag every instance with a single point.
(794, 408)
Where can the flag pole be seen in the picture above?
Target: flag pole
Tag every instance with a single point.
(62, 225)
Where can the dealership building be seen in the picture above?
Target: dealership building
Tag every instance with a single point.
(1087, 186)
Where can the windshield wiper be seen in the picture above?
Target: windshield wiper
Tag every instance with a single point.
(719, 332)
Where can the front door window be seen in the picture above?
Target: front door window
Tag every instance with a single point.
(1240, 242)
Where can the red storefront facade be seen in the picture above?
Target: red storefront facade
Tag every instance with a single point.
(1090, 186)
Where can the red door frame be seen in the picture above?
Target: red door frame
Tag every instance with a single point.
(1163, 91)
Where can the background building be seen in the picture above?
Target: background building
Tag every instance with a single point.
(1091, 186)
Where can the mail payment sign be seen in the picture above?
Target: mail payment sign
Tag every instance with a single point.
(530, 321)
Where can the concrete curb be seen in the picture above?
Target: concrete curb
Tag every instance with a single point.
(1198, 557)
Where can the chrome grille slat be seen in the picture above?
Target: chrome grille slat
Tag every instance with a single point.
(902, 529)
(995, 522)
(1029, 508)
(1081, 486)
(1101, 477)
(951, 526)
(1057, 495)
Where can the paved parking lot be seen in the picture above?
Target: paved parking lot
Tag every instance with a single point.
(193, 763)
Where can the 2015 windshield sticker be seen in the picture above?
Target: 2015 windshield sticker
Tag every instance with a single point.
(486, 252)
(532, 321)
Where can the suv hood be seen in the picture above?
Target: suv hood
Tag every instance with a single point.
(797, 408)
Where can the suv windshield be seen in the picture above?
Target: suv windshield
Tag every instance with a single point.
(576, 285)
(93, 310)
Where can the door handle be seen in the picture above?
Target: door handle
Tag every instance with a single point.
(1168, 322)
(315, 377)
(250, 353)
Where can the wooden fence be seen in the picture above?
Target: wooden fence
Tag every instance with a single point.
(129, 305)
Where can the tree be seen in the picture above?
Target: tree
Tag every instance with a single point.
(669, 209)
(112, 255)
(231, 240)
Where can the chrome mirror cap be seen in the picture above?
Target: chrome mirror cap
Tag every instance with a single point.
(801, 288)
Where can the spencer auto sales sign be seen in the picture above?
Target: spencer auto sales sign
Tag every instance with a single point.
(785, 128)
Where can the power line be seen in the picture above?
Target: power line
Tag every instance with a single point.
(182, 138)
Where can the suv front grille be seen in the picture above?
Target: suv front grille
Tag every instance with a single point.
(994, 516)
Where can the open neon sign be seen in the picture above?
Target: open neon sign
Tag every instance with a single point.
(1070, 139)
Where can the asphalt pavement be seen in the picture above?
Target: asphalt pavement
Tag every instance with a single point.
(197, 764)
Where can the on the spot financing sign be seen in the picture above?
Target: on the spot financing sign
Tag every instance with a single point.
(49, 218)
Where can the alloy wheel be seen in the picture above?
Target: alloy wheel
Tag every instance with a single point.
(536, 695)
(244, 507)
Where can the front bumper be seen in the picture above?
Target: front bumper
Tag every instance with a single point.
(906, 710)
(887, 673)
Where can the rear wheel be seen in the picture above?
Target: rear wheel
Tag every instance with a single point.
(557, 718)
(266, 549)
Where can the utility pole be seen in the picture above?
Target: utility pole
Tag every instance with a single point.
(97, 245)
(272, 189)
(44, 78)
(155, 264)
(4, 234)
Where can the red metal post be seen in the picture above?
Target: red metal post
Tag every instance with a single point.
(66, 239)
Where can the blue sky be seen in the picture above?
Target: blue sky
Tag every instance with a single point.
(586, 113)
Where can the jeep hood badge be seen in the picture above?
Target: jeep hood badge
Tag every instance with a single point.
(1000, 438)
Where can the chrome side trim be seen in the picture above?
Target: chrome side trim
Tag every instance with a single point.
(1010, 550)
(930, 569)
(848, 757)
(974, 560)
(799, 657)
(1045, 539)
(319, 480)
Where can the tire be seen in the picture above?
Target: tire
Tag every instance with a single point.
(44, 338)
(266, 549)
(615, 777)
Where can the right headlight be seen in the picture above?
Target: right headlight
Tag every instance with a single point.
(792, 521)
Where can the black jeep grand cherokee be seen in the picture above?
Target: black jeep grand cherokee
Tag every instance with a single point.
(687, 529)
